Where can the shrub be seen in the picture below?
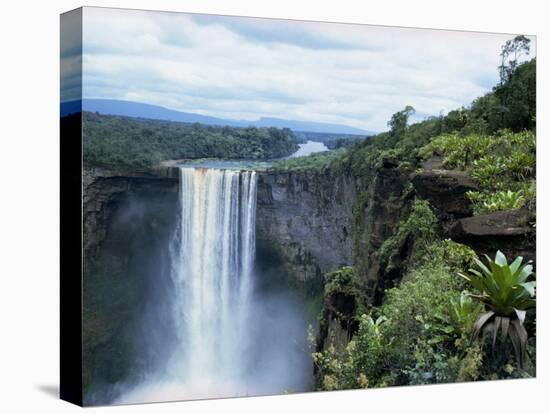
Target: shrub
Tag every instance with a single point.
(410, 339)
(420, 226)
(341, 281)
(465, 312)
(458, 151)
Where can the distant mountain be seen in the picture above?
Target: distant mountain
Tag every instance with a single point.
(141, 110)
(71, 107)
(311, 126)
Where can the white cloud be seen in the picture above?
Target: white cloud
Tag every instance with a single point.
(247, 68)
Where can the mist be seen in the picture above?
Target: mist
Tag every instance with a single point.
(277, 360)
(206, 332)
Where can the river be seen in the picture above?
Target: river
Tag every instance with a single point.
(310, 147)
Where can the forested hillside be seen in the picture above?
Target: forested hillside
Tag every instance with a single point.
(421, 303)
(116, 140)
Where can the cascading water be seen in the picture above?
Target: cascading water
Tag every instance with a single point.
(212, 271)
(226, 338)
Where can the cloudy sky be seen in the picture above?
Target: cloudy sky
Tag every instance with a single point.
(246, 68)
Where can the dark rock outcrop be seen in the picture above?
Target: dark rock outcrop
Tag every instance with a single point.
(384, 201)
(446, 192)
(511, 231)
(104, 188)
(338, 320)
(316, 222)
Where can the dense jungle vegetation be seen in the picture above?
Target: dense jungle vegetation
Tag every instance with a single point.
(117, 140)
(453, 316)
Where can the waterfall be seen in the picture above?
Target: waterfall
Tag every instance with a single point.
(212, 272)
(224, 341)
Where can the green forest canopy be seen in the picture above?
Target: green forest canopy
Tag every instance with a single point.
(118, 140)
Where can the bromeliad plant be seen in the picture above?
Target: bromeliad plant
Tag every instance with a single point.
(497, 201)
(507, 294)
(464, 312)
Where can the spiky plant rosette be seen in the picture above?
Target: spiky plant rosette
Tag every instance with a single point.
(507, 293)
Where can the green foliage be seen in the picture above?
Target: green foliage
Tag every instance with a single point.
(399, 120)
(506, 154)
(317, 162)
(499, 201)
(517, 97)
(465, 311)
(459, 151)
(457, 255)
(471, 364)
(116, 140)
(510, 53)
(510, 157)
(341, 281)
(420, 227)
(422, 331)
(411, 338)
(507, 293)
(504, 165)
(511, 104)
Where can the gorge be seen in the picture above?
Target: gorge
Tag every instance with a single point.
(204, 327)
(307, 224)
(347, 241)
(224, 258)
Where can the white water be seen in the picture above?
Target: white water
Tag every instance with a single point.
(213, 272)
(212, 264)
(228, 342)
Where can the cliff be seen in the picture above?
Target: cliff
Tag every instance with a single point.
(316, 223)
(306, 221)
(128, 220)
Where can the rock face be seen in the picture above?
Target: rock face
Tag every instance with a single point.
(306, 220)
(316, 223)
(104, 188)
(384, 200)
(338, 322)
(129, 217)
(446, 192)
(307, 223)
(510, 231)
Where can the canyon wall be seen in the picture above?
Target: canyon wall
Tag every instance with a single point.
(307, 224)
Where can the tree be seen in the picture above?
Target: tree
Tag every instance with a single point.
(398, 122)
(510, 54)
(517, 97)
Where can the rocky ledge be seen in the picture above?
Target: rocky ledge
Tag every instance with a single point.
(446, 191)
(512, 232)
